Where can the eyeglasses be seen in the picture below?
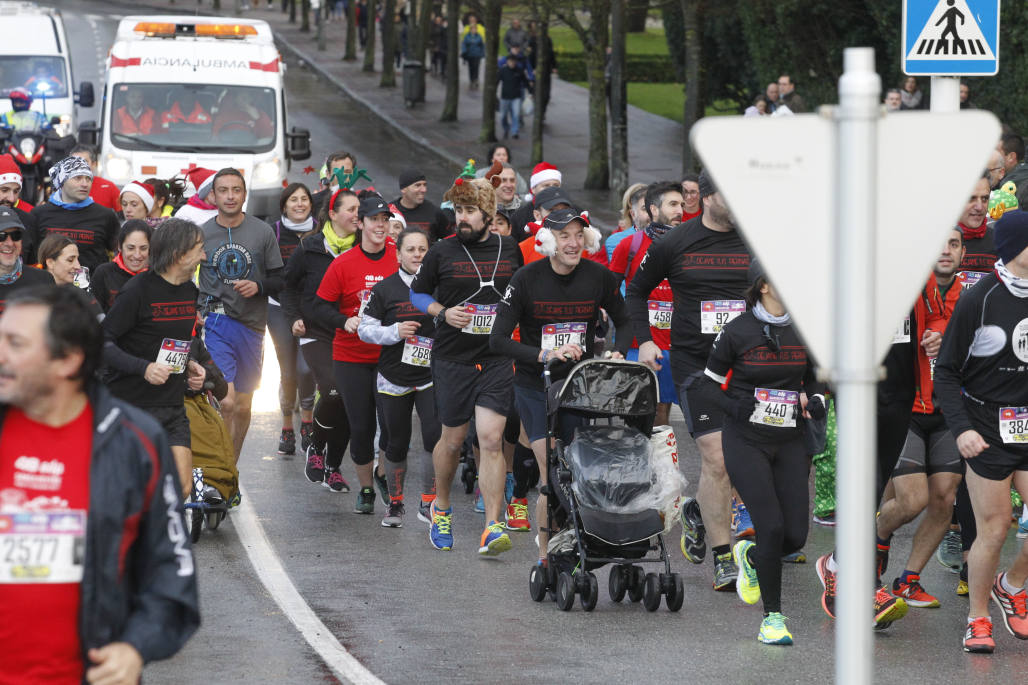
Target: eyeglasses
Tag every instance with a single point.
(774, 343)
(14, 235)
(691, 192)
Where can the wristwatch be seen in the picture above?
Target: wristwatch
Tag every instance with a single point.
(440, 317)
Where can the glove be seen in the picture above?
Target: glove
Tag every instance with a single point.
(742, 409)
(816, 408)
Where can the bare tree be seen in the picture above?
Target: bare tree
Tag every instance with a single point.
(594, 37)
(351, 33)
(305, 15)
(389, 39)
(493, 13)
(618, 104)
(693, 108)
(543, 75)
(369, 46)
(452, 62)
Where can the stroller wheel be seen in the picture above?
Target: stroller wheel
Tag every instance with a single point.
(565, 591)
(214, 519)
(651, 592)
(467, 476)
(590, 593)
(195, 524)
(676, 593)
(537, 583)
(617, 585)
(636, 580)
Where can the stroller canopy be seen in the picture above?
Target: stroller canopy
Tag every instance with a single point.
(600, 387)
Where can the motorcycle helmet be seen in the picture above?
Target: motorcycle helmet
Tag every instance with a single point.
(21, 99)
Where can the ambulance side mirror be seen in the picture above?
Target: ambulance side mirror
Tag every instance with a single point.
(298, 143)
(89, 133)
(85, 95)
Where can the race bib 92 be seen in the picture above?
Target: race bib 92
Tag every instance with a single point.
(714, 314)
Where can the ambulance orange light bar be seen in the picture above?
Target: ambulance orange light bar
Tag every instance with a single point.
(155, 28)
(225, 30)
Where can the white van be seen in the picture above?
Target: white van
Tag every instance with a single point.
(182, 92)
(34, 55)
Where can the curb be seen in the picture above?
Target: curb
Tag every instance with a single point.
(322, 73)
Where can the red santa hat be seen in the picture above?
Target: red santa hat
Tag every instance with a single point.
(397, 215)
(144, 191)
(9, 171)
(202, 180)
(543, 172)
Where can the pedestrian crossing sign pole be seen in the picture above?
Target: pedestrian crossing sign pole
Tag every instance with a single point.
(950, 37)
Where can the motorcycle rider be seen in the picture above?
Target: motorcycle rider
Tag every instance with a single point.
(22, 117)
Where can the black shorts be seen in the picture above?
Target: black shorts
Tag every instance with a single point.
(930, 448)
(460, 387)
(1000, 459)
(175, 422)
(701, 417)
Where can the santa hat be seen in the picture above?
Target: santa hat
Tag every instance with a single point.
(202, 180)
(9, 171)
(397, 215)
(546, 243)
(543, 172)
(144, 191)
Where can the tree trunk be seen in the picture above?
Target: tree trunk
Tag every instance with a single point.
(305, 16)
(389, 39)
(693, 108)
(543, 76)
(292, 10)
(425, 31)
(635, 19)
(452, 62)
(351, 33)
(491, 21)
(618, 105)
(369, 47)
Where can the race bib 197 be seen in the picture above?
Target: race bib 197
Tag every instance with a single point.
(174, 353)
(714, 314)
(42, 546)
(556, 335)
(1013, 425)
(482, 318)
(417, 351)
(660, 314)
(775, 408)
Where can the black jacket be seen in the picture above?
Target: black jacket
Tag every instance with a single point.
(306, 268)
(139, 579)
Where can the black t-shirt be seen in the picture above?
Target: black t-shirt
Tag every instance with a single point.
(759, 361)
(30, 276)
(554, 310)
(449, 276)
(106, 282)
(979, 255)
(93, 228)
(426, 217)
(707, 271)
(984, 353)
(390, 303)
(152, 320)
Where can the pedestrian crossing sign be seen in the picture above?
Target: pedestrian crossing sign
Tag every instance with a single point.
(950, 37)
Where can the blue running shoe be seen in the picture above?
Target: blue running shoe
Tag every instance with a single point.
(508, 488)
(494, 540)
(742, 524)
(439, 534)
(479, 501)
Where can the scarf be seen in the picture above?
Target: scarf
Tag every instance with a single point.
(654, 230)
(59, 201)
(334, 243)
(197, 201)
(972, 233)
(1018, 287)
(762, 314)
(301, 227)
(121, 265)
(14, 275)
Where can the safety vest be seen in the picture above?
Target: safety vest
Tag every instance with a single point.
(175, 116)
(129, 125)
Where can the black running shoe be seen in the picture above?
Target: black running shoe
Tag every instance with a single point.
(383, 488)
(365, 503)
(314, 469)
(306, 435)
(694, 544)
(287, 442)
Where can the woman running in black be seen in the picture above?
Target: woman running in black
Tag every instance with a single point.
(304, 271)
(763, 363)
(404, 375)
(133, 257)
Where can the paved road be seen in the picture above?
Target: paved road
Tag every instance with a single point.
(409, 613)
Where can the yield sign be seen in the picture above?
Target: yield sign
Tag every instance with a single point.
(950, 37)
(778, 177)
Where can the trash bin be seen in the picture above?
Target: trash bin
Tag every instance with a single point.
(413, 82)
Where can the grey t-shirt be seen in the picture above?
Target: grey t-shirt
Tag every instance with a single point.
(245, 252)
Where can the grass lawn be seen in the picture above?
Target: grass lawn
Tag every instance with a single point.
(665, 99)
(652, 42)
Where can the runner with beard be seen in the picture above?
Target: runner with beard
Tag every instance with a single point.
(460, 284)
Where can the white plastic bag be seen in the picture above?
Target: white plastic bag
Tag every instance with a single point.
(669, 483)
(527, 106)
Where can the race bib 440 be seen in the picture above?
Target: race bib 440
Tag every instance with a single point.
(775, 408)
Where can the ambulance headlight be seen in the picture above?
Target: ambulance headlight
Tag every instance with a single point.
(268, 172)
(118, 169)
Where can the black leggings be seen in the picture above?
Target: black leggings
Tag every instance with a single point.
(779, 512)
(356, 385)
(397, 423)
(331, 427)
(965, 515)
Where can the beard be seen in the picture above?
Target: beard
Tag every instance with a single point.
(467, 234)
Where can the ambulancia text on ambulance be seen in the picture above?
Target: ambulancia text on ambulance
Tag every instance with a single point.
(187, 92)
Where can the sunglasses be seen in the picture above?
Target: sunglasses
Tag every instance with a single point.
(14, 235)
(773, 342)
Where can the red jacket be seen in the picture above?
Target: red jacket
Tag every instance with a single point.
(932, 313)
(125, 123)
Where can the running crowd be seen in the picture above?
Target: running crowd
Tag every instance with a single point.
(379, 308)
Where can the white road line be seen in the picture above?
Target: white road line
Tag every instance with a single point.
(275, 578)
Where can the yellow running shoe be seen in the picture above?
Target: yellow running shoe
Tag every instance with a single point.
(773, 630)
(746, 584)
(494, 540)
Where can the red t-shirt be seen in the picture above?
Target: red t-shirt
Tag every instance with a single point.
(44, 499)
(105, 193)
(348, 282)
(659, 303)
(690, 215)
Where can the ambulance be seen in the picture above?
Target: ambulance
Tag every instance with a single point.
(183, 92)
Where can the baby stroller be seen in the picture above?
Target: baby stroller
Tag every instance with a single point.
(601, 507)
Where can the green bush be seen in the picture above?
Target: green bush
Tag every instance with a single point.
(639, 68)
